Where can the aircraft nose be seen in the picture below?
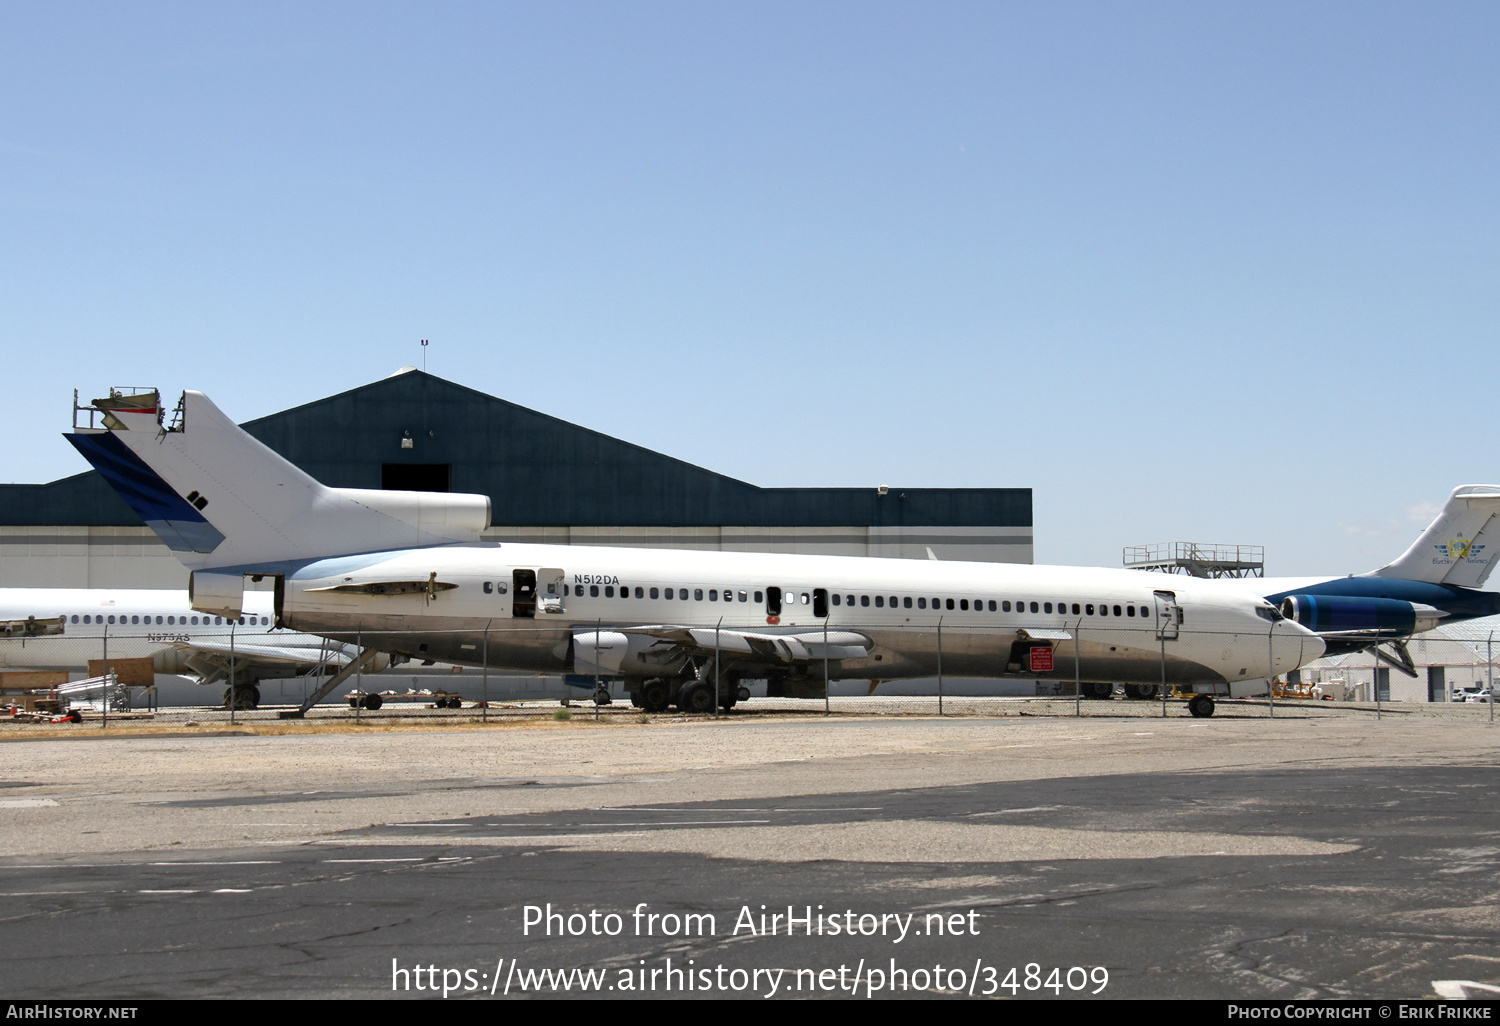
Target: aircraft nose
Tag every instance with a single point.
(1312, 645)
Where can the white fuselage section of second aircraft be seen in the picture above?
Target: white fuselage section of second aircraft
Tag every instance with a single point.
(541, 607)
(134, 624)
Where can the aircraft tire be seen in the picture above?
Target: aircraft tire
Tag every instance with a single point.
(242, 698)
(1141, 692)
(1201, 706)
(697, 697)
(654, 695)
(1095, 690)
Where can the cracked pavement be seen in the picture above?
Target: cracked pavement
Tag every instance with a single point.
(1286, 859)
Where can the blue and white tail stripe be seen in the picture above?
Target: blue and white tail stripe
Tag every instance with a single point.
(172, 517)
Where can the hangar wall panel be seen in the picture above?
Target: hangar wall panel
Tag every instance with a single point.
(132, 557)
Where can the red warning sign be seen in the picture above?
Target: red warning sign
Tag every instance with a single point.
(1041, 659)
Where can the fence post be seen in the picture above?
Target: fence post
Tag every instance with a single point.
(1077, 671)
(1271, 668)
(827, 707)
(1162, 637)
(940, 664)
(359, 674)
(234, 694)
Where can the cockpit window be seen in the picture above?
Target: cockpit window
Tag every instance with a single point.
(1268, 613)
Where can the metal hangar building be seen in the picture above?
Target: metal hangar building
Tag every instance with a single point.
(548, 481)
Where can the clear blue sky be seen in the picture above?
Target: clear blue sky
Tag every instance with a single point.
(1212, 271)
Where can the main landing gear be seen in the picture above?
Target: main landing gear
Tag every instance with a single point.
(245, 696)
(693, 695)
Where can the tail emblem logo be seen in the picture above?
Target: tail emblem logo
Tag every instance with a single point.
(1459, 548)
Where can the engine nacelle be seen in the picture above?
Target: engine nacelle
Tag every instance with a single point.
(1329, 613)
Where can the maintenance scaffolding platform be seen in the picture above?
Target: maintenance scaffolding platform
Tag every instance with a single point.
(1198, 560)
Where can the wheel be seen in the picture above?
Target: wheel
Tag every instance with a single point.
(696, 697)
(1093, 689)
(602, 697)
(373, 702)
(242, 697)
(1201, 706)
(455, 702)
(1141, 692)
(655, 696)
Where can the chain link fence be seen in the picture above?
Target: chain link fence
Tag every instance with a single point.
(1078, 669)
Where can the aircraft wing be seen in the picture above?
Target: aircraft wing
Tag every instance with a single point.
(673, 645)
(761, 647)
(211, 661)
(283, 655)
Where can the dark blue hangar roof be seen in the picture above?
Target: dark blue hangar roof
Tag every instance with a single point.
(415, 430)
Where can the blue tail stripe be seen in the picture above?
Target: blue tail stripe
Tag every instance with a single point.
(172, 517)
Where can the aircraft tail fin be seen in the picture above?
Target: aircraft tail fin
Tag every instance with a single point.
(1460, 547)
(220, 499)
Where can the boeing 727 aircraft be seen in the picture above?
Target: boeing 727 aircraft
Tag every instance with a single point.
(406, 572)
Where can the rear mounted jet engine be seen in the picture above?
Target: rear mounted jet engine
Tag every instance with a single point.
(1324, 614)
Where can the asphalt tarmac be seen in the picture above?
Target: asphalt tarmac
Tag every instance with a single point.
(1287, 859)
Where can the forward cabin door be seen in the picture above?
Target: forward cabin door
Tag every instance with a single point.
(523, 588)
(1168, 615)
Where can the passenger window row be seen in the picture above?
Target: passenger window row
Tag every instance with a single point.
(182, 621)
(979, 605)
(864, 601)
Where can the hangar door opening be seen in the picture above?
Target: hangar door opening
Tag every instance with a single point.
(416, 477)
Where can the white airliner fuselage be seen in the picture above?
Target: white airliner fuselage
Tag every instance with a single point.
(417, 580)
(130, 624)
(640, 614)
(138, 623)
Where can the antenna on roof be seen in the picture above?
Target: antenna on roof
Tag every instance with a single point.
(424, 356)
